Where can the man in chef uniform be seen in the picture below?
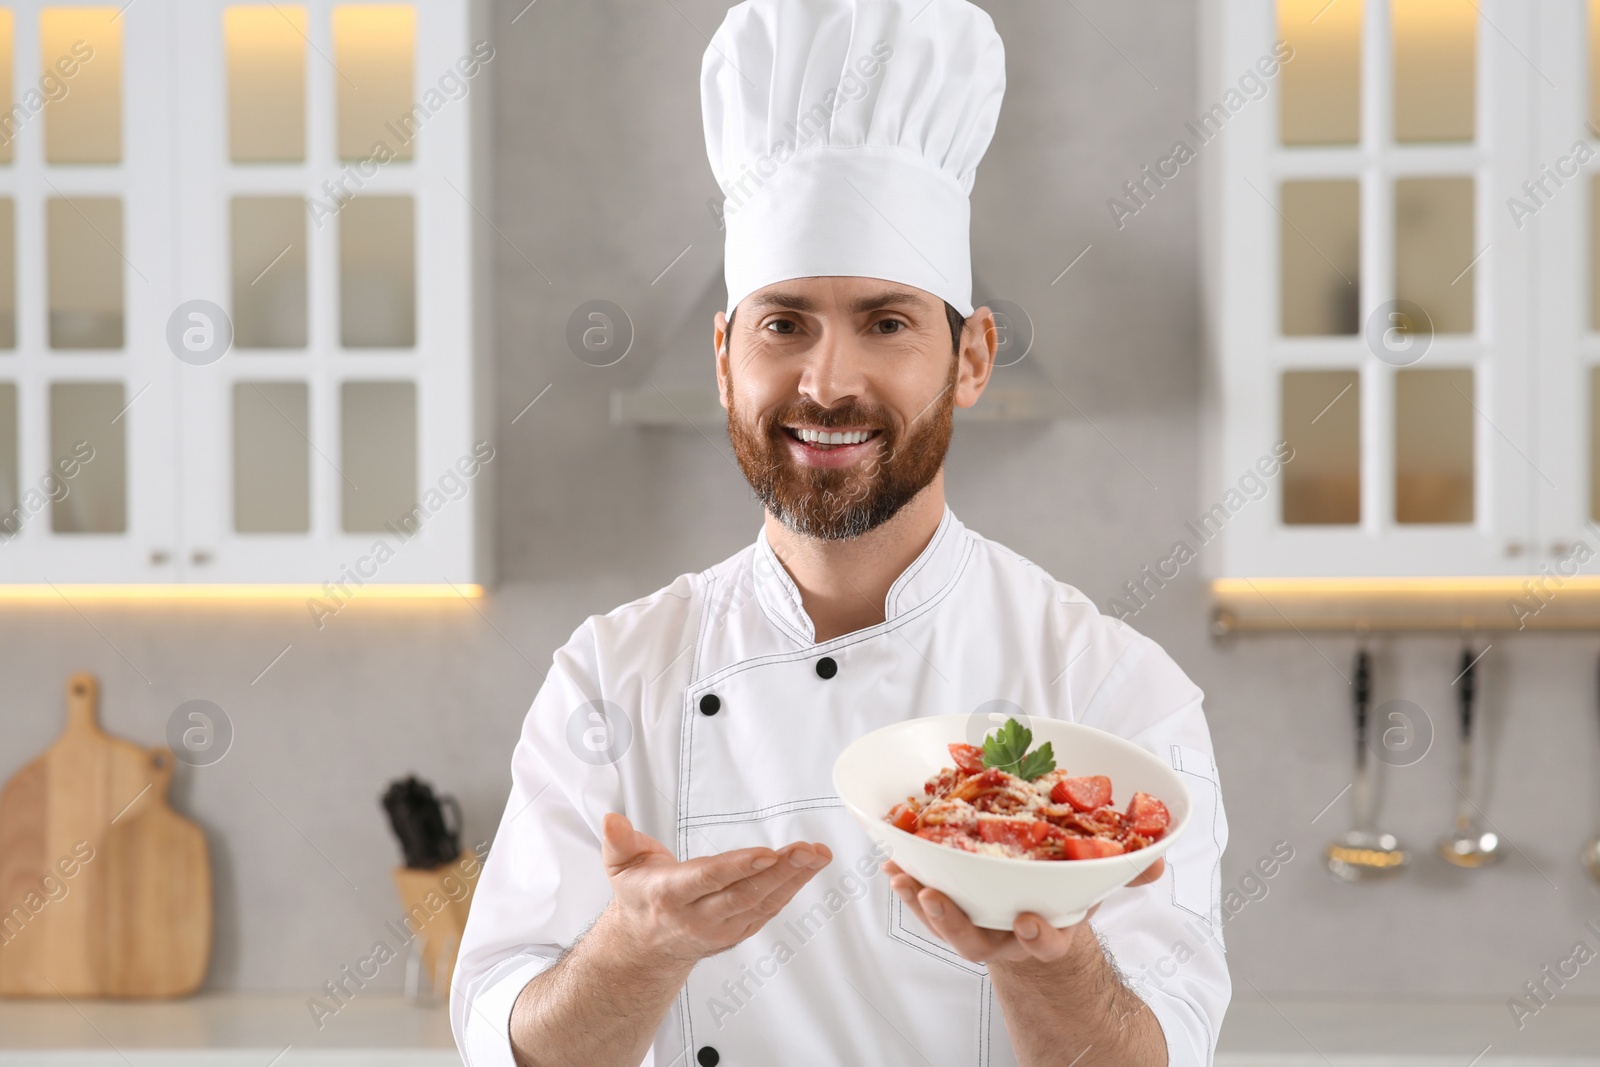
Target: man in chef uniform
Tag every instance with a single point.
(674, 880)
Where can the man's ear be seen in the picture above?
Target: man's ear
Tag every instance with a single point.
(980, 342)
(720, 340)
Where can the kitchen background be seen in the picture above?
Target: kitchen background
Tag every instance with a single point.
(599, 189)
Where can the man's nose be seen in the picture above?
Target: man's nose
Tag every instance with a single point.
(833, 372)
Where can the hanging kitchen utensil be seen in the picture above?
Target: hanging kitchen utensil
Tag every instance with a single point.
(1364, 852)
(1468, 844)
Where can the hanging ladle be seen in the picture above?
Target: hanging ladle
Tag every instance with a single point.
(1364, 852)
(1468, 844)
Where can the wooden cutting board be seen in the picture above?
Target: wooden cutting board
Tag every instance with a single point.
(105, 891)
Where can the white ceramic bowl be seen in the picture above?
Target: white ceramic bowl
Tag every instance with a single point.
(881, 769)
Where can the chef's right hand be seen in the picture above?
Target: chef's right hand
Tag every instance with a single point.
(686, 911)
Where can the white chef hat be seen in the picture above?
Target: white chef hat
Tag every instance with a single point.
(846, 134)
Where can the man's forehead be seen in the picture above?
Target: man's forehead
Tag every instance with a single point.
(872, 297)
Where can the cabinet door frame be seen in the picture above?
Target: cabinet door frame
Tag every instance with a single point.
(1567, 344)
(1243, 168)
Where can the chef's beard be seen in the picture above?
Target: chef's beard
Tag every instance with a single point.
(835, 504)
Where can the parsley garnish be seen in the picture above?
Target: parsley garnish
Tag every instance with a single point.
(1007, 749)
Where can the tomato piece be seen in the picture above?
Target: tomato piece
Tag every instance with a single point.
(1085, 794)
(1090, 848)
(969, 758)
(904, 815)
(1146, 814)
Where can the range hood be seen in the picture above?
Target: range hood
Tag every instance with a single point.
(680, 388)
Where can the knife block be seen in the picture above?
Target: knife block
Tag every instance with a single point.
(436, 902)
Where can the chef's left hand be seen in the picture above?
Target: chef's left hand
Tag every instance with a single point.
(1030, 937)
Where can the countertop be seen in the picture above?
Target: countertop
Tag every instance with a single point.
(224, 1031)
(1405, 1032)
(387, 1031)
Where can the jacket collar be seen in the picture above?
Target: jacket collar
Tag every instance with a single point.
(928, 575)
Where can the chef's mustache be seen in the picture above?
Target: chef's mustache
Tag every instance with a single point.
(811, 413)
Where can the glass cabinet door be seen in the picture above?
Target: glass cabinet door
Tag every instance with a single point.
(326, 177)
(87, 385)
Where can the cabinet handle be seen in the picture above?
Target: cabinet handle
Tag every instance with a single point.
(1561, 549)
(1515, 548)
(199, 557)
(158, 557)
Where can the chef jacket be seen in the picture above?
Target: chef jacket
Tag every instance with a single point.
(708, 714)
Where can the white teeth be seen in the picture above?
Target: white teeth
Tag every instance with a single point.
(824, 437)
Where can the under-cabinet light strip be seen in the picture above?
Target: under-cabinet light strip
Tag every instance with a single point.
(1510, 584)
(242, 592)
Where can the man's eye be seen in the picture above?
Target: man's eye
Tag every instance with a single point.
(896, 323)
(781, 322)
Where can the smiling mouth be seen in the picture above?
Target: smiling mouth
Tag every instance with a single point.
(828, 440)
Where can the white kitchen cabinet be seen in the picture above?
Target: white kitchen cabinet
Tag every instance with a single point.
(1375, 164)
(303, 178)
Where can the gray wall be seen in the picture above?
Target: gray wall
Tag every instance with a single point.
(601, 181)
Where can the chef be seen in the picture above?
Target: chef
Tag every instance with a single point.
(674, 881)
